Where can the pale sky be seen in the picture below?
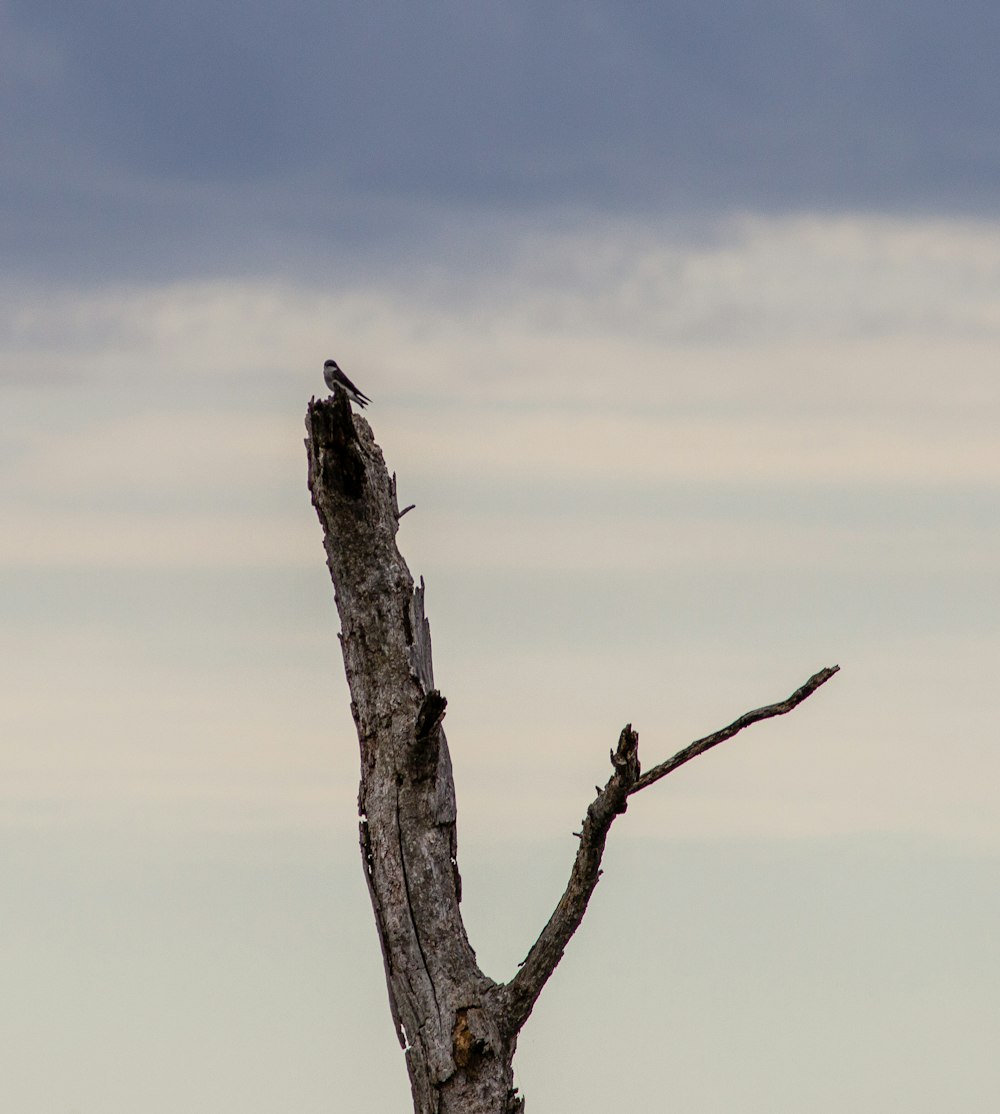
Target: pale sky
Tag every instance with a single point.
(681, 330)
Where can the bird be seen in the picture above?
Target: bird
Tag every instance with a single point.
(334, 377)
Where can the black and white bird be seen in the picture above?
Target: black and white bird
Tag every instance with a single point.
(334, 377)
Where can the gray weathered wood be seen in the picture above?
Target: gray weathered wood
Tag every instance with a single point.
(457, 1026)
(444, 1007)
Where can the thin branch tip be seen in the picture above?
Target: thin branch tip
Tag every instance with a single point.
(699, 746)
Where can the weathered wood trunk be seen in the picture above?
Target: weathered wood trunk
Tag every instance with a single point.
(448, 1014)
(457, 1026)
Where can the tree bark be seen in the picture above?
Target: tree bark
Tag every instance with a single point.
(444, 1008)
(457, 1026)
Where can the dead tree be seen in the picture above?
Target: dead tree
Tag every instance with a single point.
(457, 1026)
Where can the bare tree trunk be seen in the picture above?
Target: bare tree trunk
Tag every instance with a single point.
(457, 1026)
(445, 1009)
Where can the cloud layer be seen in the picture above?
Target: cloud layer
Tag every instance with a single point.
(168, 140)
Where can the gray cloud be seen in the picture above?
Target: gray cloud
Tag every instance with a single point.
(182, 137)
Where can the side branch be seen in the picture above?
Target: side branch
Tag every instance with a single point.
(521, 993)
(699, 746)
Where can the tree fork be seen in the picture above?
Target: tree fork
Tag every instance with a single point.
(458, 1027)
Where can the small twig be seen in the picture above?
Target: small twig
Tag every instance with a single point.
(699, 746)
(395, 503)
